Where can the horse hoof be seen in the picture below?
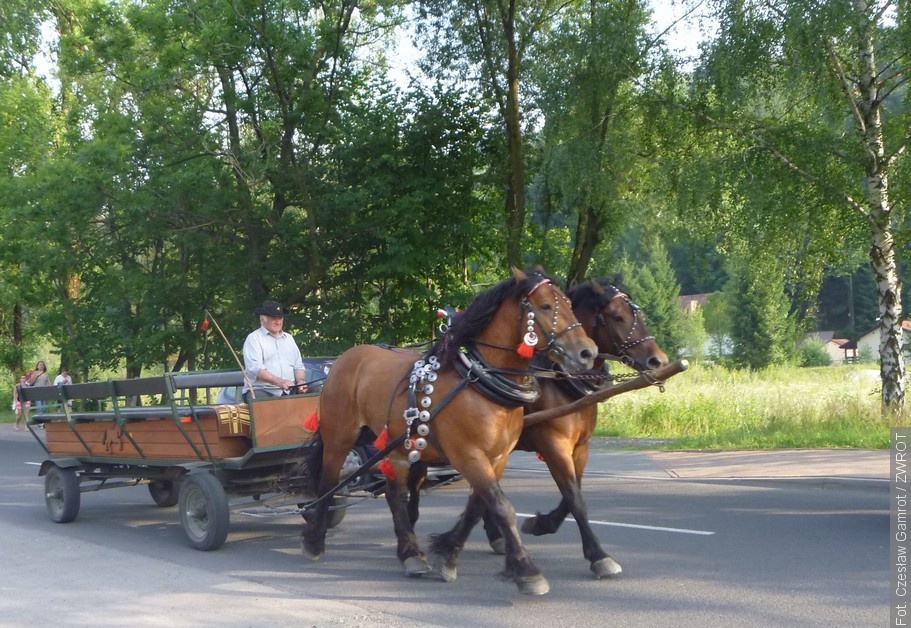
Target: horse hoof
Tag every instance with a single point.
(310, 552)
(606, 568)
(533, 585)
(498, 546)
(314, 556)
(415, 566)
(443, 570)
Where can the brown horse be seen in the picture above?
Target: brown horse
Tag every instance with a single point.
(617, 326)
(462, 401)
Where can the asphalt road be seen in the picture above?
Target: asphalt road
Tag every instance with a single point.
(700, 554)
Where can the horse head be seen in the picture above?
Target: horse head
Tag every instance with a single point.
(551, 327)
(521, 317)
(617, 325)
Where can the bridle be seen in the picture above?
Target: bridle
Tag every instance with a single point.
(528, 320)
(552, 337)
(627, 343)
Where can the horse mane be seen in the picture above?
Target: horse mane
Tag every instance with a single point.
(593, 295)
(469, 324)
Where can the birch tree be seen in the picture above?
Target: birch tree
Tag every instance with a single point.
(808, 101)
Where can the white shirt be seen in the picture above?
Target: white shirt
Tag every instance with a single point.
(63, 380)
(280, 356)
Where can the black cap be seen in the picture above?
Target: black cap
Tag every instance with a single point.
(271, 308)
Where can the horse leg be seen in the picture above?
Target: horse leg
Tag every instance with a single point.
(445, 547)
(494, 536)
(519, 567)
(416, 477)
(399, 498)
(549, 523)
(564, 472)
(313, 535)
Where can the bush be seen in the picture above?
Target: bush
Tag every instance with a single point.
(813, 353)
(867, 355)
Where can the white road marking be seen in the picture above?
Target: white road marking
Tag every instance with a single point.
(636, 526)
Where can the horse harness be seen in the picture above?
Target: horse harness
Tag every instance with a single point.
(491, 382)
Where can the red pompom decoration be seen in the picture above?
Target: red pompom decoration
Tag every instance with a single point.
(526, 351)
(387, 469)
(312, 422)
(382, 440)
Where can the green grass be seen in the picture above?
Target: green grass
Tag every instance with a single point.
(782, 407)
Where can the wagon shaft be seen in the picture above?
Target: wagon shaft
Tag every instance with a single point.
(644, 380)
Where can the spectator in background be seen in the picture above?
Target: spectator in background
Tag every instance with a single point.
(17, 405)
(39, 377)
(64, 379)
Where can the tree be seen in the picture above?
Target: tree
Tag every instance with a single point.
(653, 286)
(485, 43)
(595, 172)
(717, 320)
(804, 104)
(762, 331)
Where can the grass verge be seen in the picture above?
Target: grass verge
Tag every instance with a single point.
(781, 407)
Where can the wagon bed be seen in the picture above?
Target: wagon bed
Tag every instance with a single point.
(171, 433)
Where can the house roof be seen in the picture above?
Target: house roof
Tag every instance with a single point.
(821, 336)
(906, 327)
(689, 302)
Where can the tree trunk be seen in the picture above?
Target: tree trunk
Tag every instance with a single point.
(876, 188)
(515, 188)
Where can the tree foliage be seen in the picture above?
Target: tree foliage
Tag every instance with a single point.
(192, 156)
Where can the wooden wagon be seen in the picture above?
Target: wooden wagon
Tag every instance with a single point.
(173, 434)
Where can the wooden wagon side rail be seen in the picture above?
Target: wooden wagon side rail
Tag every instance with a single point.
(176, 426)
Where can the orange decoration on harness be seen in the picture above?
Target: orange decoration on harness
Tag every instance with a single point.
(312, 422)
(387, 469)
(382, 440)
(526, 351)
(540, 457)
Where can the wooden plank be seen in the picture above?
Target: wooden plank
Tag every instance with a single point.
(157, 438)
(279, 421)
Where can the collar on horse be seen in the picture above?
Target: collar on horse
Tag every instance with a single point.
(492, 383)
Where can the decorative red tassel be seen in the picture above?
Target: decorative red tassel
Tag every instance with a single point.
(382, 440)
(526, 351)
(540, 457)
(386, 468)
(312, 422)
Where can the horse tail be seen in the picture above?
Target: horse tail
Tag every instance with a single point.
(306, 473)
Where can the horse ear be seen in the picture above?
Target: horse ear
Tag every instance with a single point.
(518, 275)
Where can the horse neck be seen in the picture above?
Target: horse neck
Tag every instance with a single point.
(498, 341)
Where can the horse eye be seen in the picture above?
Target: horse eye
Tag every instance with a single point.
(618, 318)
(547, 307)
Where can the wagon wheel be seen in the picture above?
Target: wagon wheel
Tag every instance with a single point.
(164, 492)
(61, 494)
(204, 511)
(337, 511)
(355, 459)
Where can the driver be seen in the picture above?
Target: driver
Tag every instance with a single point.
(272, 361)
